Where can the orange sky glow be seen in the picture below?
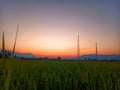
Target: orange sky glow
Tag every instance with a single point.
(50, 29)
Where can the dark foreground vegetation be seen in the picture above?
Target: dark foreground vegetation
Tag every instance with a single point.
(60, 75)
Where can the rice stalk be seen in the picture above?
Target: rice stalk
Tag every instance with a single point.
(15, 42)
(3, 60)
(8, 78)
(3, 49)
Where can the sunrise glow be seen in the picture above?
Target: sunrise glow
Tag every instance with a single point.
(51, 28)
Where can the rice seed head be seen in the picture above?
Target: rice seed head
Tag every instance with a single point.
(3, 46)
(15, 42)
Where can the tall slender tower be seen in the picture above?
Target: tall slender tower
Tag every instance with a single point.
(96, 51)
(78, 48)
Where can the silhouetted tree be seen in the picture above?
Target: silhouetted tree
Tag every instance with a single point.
(59, 58)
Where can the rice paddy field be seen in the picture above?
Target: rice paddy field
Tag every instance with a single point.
(59, 75)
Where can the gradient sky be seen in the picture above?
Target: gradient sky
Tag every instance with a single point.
(50, 27)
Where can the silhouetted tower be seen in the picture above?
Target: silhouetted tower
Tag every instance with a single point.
(78, 48)
(96, 51)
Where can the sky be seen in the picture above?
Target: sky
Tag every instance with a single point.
(50, 27)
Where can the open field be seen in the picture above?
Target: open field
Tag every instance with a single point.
(61, 75)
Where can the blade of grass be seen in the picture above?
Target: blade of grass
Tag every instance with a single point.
(15, 42)
(8, 78)
(3, 49)
(3, 58)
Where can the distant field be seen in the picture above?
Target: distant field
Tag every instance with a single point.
(61, 75)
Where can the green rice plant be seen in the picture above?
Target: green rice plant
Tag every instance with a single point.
(3, 71)
(63, 75)
(3, 49)
(8, 78)
(6, 73)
